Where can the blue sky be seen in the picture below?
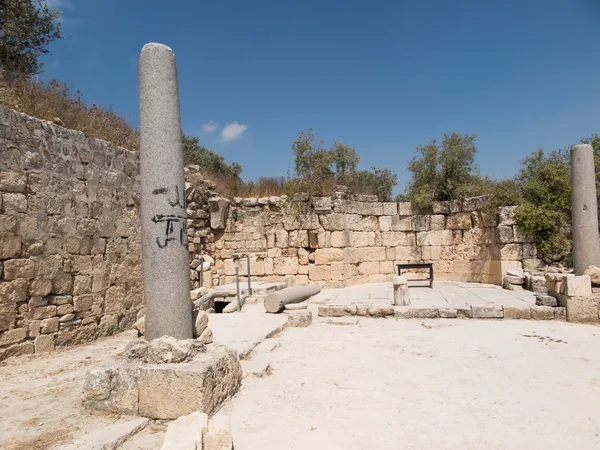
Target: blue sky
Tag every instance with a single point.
(381, 76)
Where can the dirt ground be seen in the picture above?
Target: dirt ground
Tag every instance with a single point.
(439, 384)
(40, 396)
(356, 384)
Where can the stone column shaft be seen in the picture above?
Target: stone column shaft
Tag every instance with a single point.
(584, 209)
(166, 271)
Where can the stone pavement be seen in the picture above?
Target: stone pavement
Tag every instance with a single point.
(447, 299)
(445, 294)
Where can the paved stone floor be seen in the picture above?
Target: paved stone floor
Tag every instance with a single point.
(364, 384)
(445, 294)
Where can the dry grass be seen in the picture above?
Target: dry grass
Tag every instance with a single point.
(53, 102)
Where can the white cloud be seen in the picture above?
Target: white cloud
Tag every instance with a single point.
(233, 131)
(209, 128)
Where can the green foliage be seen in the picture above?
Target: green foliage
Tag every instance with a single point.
(318, 169)
(208, 160)
(544, 211)
(443, 172)
(26, 29)
(375, 181)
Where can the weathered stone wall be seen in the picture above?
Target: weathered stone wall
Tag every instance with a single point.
(70, 261)
(355, 239)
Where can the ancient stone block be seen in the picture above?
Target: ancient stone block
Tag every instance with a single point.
(507, 215)
(10, 246)
(357, 255)
(44, 343)
(187, 432)
(511, 252)
(421, 223)
(487, 312)
(362, 238)
(459, 221)
(18, 268)
(14, 203)
(517, 312)
(319, 273)
(11, 181)
(285, 266)
(580, 286)
(321, 205)
(542, 313)
(83, 302)
(404, 209)
(438, 222)
(50, 325)
(328, 255)
(441, 208)
(505, 234)
(13, 291)
(12, 336)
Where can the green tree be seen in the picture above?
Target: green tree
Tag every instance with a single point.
(208, 160)
(318, 169)
(376, 181)
(26, 29)
(544, 211)
(443, 172)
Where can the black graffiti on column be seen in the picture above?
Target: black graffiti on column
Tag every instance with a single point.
(171, 221)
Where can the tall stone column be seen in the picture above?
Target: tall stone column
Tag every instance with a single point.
(166, 271)
(584, 209)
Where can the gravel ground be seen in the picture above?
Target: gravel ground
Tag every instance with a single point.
(456, 384)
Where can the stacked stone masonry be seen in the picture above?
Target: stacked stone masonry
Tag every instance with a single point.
(343, 240)
(70, 254)
(70, 267)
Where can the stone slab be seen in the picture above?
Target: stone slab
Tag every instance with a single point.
(164, 391)
(186, 432)
(109, 437)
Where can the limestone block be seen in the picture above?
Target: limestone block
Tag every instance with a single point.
(39, 287)
(487, 312)
(520, 236)
(10, 246)
(301, 222)
(396, 238)
(459, 221)
(187, 433)
(390, 208)
(48, 326)
(473, 203)
(438, 222)
(44, 343)
(429, 238)
(511, 252)
(200, 322)
(357, 255)
(368, 268)
(13, 291)
(281, 238)
(592, 271)
(405, 209)
(517, 312)
(381, 311)
(18, 268)
(448, 313)
(298, 238)
(14, 203)
(328, 255)
(362, 238)
(578, 286)
(285, 266)
(218, 208)
(441, 208)
(299, 318)
(8, 224)
(431, 253)
(11, 181)
(424, 313)
(546, 300)
(12, 336)
(507, 215)
(339, 239)
(542, 313)
(333, 222)
(319, 273)
(560, 313)
(321, 205)
(408, 253)
(421, 223)
(581, 309)
(505, 234)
